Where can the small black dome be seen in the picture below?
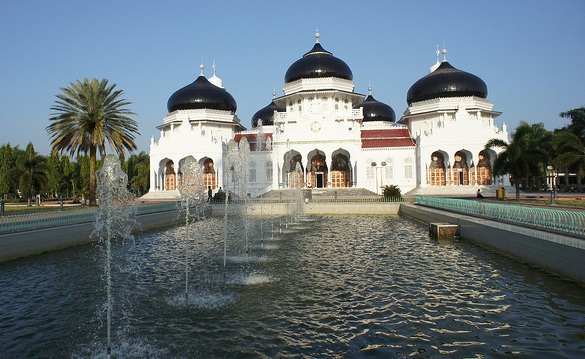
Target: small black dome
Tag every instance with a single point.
(446, 81)
(201, 94)
(375, 110)
(266, 114)
(318, 63)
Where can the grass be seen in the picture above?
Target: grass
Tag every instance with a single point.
(559, 202)
(15, 209)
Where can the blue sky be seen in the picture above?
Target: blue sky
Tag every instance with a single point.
(530, 53)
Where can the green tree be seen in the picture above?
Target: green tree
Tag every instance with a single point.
(7, 165)
(32, 172)
(577, 125)
(570, 150)
(519, 158)
(138, 168)
(86, 115)
(68, 171)
(55, 175)
(541, 139)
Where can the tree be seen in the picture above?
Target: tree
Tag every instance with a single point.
(86, 115)
(32, 170)
(541, 139)
(7, 165)
(138, 169)
(577, 125)
(519, 158)
(570, 152)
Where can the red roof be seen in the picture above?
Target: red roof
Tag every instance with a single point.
(252, 139)
(396, 137)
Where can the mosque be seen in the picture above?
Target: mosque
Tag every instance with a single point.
(322, 134)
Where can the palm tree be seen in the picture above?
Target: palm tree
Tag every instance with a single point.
(520, 157)
(570, 151)
(32, 172)
(87, 114)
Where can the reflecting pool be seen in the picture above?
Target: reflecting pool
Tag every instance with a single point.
(323, 287)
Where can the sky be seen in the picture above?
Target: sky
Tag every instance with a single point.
(530, 53)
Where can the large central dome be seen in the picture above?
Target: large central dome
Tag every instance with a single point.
(201, 94)
(318, 63)
(446, 81)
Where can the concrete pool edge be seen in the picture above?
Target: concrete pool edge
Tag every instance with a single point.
(557, 253)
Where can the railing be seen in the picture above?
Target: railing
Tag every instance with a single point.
(319, 199)
(40, 220)
(33, 221)
(554, 219)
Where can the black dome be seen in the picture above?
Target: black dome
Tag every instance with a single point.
(266, 114)
(318, 63)
(446, 81)
(375, 110)
(201, 94)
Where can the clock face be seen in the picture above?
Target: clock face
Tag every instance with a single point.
(315, 126)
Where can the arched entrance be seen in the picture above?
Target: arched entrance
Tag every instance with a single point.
(484, 168)
(293, 174)
(340, 169)
(461, 169)
(209, 175)
(172, 179)
(318, 170)
(436, 171)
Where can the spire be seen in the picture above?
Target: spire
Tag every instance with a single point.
(201, 67)
(444, 54)
(214, 79)
(317, 36)
(438, 63)
(370, 88)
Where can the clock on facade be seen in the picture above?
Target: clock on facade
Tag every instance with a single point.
(315, 126)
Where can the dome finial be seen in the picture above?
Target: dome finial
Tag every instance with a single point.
(444, 54)
(273, 92)
(214, 66)
(438, 63)
(201, 67)
(370, 88)
(317, 36)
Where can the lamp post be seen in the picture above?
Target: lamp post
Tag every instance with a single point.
(551, 176)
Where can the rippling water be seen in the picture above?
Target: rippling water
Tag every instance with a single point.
(353, 287)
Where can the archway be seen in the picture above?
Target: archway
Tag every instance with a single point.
(461, 168)
(318, 171)
(209, 174)
(172, 179)
(484, 168)
(340, 169)
(436, 172)
(293, 171)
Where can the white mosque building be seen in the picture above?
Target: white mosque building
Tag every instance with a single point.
(322, 134)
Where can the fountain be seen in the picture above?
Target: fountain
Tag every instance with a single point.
(114, 219)
(193, 199)
(337, 286)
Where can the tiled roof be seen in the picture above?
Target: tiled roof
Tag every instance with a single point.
(252, 139)
(398, 137)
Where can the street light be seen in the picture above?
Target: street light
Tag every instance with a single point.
(551, 176)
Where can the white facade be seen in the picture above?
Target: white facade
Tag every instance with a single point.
(321, 140)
